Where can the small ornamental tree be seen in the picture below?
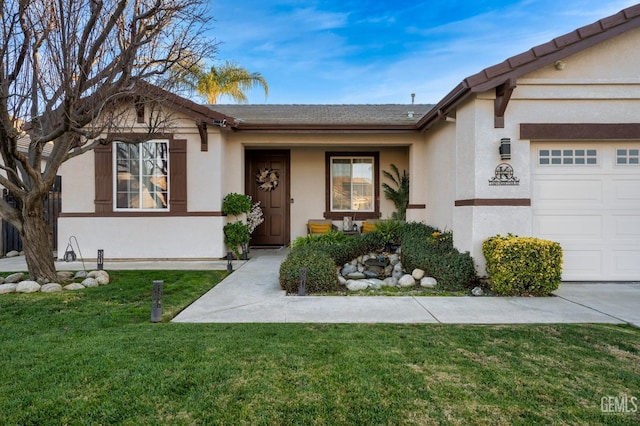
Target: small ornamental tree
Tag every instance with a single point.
(72, 71)
(237, 234)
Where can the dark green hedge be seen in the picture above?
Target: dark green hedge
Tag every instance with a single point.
(431, 250)
(321, 271)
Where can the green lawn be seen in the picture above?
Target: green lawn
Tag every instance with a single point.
(94, 357)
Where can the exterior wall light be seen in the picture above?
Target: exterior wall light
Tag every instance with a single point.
(505, 149)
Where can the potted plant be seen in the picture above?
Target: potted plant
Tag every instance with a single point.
(236, 204)
(237, 234)
(236, 237)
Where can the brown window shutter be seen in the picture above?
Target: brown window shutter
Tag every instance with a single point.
(104, 178)
(178, 175)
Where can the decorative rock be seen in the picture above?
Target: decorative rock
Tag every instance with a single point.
(375, 283)
(390, 282)
(64, 275)
(406, 281)
(370, 274)
(397, 267)
(397, 275)
(342, 280)
(428, 282)
(356, 285)
(1, 280)
(74, 286)
(348, 269)
(14, 278)
(90, 282)
(12, 253)
(27, 287)
(394, 259)
(102, 277)
(8, 288)
(477, 291)
(80, 274)
(356, 276)
(51, 288)
(417, 274)
(360, 267)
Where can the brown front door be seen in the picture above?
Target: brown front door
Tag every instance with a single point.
(267, 181)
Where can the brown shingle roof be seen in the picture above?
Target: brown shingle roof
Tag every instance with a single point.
(391, 116)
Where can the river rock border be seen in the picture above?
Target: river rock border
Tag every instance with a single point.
(377, 270)
(68, 281)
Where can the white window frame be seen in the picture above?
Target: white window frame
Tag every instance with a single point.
(631, 157)
(140, 177)
(553, 157)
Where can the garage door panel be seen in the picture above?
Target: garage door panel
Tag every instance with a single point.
(569, 191)
(568, 227)
(625, 263)
(581, 264)
(625, 227)
(593, 211)
(626, 192)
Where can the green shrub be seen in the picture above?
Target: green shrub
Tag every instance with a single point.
(321, 271)
(522, 266)
(426, 248)
(390, 229)
(235, 204)
(416, 230)
(235, 234)
(330, 238)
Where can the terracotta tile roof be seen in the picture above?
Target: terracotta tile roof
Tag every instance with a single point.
(558, 48)
(537, 57)
(324, 116)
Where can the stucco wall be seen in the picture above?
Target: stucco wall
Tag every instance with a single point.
(598, 85)
(145, 237)
(308, 165)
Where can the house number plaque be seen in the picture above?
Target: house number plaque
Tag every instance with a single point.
(504, 176)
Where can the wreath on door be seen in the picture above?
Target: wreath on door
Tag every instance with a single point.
(267, 179)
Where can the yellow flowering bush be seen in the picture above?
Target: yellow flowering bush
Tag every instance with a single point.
(522, 265)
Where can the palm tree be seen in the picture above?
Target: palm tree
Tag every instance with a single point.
(230, 80)
(399, 195)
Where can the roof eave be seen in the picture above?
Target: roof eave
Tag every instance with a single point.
(196, 111)
(442, 108)
(343, 128)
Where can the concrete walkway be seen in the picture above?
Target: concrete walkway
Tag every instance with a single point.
(252, 294)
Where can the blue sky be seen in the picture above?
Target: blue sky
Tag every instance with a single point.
(376, 52)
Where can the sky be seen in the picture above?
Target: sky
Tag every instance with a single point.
(380, 52)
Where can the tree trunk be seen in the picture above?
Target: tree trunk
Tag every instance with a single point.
(36, 243)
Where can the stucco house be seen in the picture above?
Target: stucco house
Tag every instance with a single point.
(544, 144)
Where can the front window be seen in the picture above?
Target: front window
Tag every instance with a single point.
(142, 179)
(352, 184)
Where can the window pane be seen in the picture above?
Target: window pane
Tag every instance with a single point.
(341, 184)
(362, 184)
(142, 175)
(352, 184)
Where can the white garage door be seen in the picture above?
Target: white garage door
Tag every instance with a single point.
(586, 196)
